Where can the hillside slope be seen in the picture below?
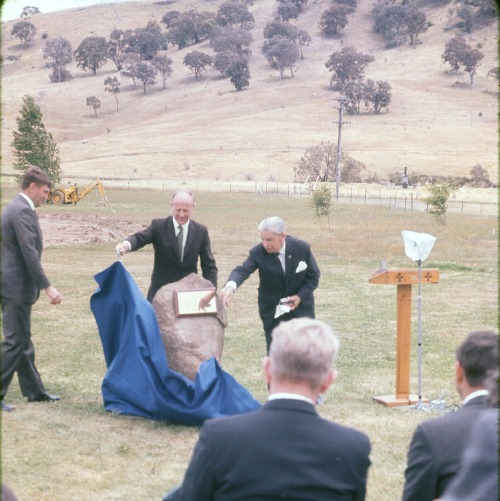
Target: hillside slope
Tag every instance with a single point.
(205, 130)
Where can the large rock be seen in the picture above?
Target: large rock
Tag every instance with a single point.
(189, 340)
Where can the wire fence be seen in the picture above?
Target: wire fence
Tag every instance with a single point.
(392, 197)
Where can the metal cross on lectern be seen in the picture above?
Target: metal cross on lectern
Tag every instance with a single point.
(404, 279)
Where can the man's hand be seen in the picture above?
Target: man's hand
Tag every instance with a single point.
(293, 302)
(227, 295)
(205, 301)
(122, 248)
(53, 295)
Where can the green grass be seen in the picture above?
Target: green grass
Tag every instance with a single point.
(74, 450)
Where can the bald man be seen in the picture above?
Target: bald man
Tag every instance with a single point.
(178, 242)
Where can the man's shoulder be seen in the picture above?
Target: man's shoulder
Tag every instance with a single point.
(161, 221)
(448, 422)
(197, 225)
(350, 435)
(18, 201)
(16, 207)
(222, 424)
(296, 242)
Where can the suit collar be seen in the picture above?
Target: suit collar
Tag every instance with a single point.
(28, 199)
(290, 405)
(290, 396)
(476, 398)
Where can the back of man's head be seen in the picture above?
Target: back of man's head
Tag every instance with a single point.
(478, 355)
(303, 350)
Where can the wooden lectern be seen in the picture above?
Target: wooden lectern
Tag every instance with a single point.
(404, 279)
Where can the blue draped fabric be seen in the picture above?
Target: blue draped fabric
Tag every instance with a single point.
(138, 380)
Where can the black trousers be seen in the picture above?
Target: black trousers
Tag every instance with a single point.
(18, 352)
(269, 332)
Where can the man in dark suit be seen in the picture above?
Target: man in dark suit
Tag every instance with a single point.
(284, 450)
(477, 477)
(178, 242)
(22, 280)
(437, 444)
(288, 276)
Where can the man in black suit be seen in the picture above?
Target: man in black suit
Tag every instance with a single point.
(477, 477)
(437, 444)
(178, 242)
(288, 276)
(284, 450)
(22, 280)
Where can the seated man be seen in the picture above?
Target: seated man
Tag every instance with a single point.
(284, 450)
(477, 477)
(437, 444)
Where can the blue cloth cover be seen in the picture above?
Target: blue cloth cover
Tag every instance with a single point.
(138, 380)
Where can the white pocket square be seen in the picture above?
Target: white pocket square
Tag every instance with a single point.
(301, 267)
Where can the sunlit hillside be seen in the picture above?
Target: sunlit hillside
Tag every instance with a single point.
(205, 130)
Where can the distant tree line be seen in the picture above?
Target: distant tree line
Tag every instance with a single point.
(139, 54)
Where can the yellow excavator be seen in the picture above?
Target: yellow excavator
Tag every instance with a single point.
(72, 195)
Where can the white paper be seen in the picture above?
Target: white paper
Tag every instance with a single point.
(281, 309)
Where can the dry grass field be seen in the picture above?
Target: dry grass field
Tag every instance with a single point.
(205, 134)
(74, 450)
(205, 130)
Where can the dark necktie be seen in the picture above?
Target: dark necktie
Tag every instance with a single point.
(279, 261)
(180, 241)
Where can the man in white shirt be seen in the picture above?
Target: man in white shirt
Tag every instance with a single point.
(23, 277)
(288, 276)
(437, 444)
(178, 242)
(284, 450)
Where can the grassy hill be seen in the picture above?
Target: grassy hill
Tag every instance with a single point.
(206, 131)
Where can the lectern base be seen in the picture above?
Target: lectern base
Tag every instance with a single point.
(393, 401)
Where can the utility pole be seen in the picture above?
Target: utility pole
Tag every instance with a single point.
(341, 101)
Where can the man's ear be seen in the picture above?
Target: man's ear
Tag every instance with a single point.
(459, 372)
(266, 366)
(328, 381)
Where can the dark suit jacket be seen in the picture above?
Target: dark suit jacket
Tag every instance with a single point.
(282, 451)
(478, 474)
(22, 273)
(274, 284)
(435, 451)
(167, 266)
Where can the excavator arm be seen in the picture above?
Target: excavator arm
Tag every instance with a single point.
(92, 186)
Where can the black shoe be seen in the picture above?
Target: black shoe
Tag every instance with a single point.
(7, 408)
(44, 397)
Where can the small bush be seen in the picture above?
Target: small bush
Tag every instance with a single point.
(60, 75)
